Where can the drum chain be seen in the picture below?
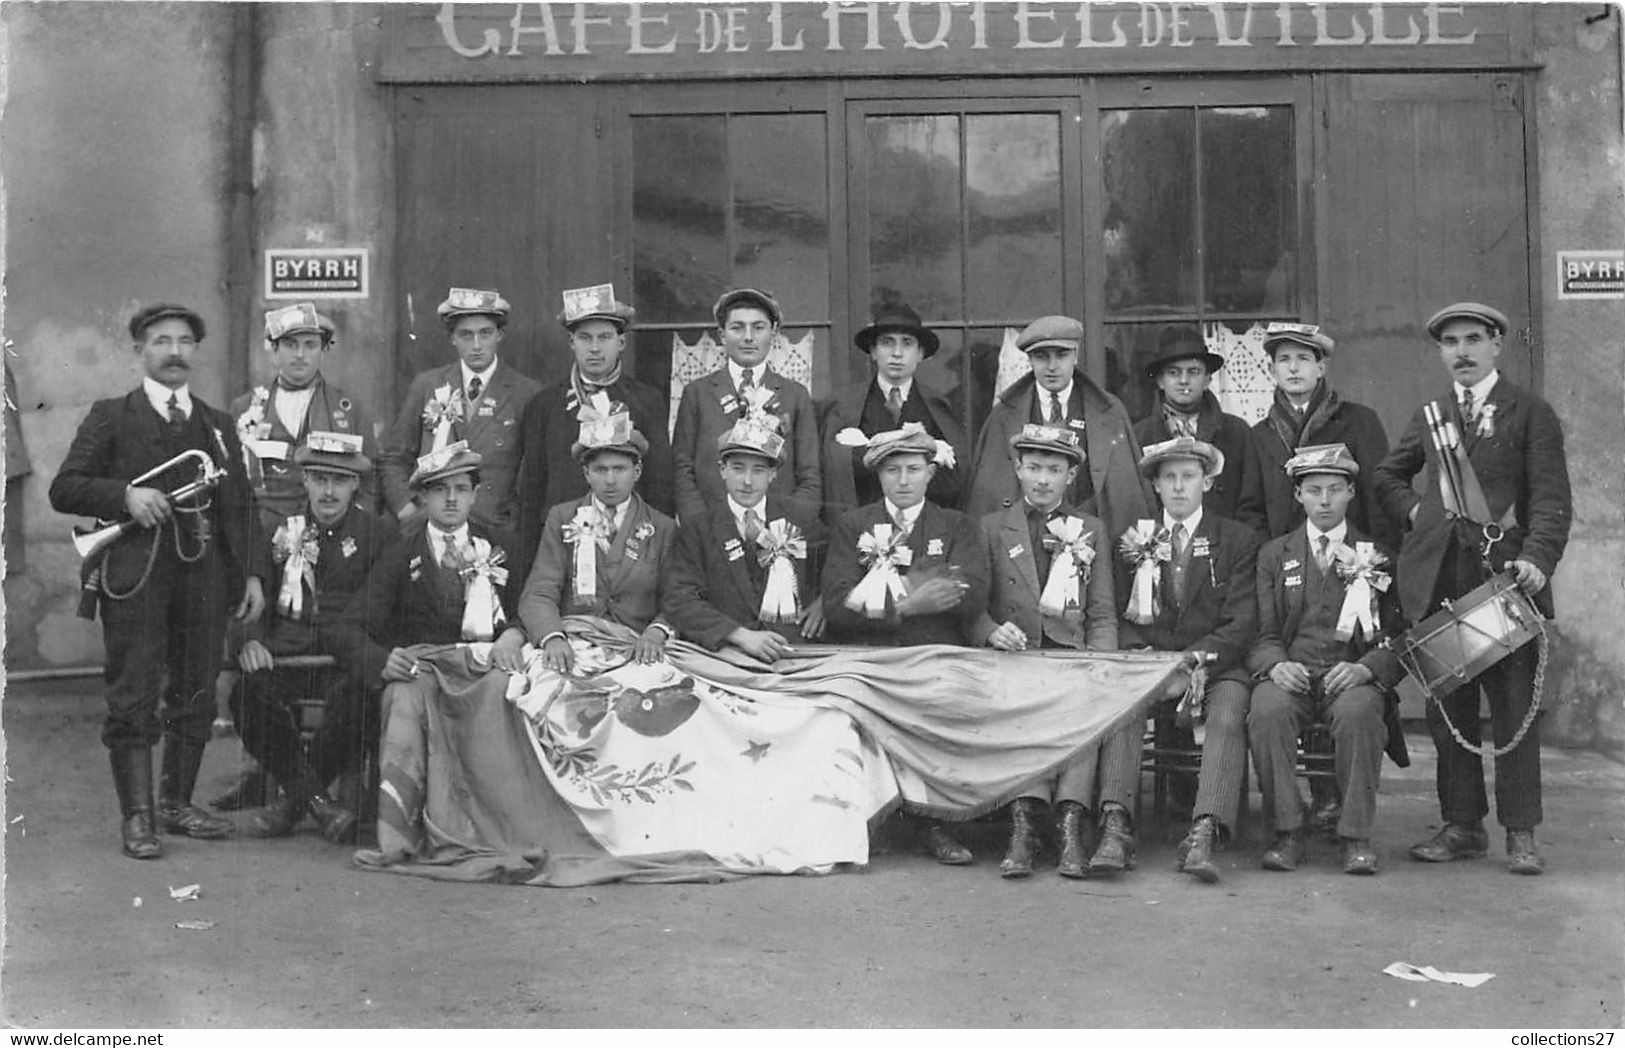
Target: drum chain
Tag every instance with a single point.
(1528, 718)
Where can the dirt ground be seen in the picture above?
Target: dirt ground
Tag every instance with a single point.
(302, 939)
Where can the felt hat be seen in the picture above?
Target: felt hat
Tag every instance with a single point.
(899, 317)
(1180, 342)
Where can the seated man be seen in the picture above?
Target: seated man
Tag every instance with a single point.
(321, 556)
(604, 554)
(1324, 598)
(904, 571)
(1050, 594)
(1189, 580)
(746, 574)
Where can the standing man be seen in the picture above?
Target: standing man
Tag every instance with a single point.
(1307, 410)
(1325, 604)
(897, 343)
(273, 420)
(747, 574)
(1188, 579)
(597, 326)
(1512, 453)
(1058, 393)
(477, 400)
(748, 321)
(1045, 590)
(1183, 370)
(168, 585)
(320, 557)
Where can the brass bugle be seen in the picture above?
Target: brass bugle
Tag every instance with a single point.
(92, 540)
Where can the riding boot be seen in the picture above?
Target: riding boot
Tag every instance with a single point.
(1073, 851)
(176, 812)
(132, 778)
(1018, 860)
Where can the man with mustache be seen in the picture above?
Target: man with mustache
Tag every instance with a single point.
(1513, 444)
(167, 586)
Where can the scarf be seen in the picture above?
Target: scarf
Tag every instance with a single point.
(583, 392)
(1323, 404)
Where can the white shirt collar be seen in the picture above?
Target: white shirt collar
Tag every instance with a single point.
(438, 540)
(1337, 535)
(739, 513)
(158, 396)
(910, 516)
(737, 373)
(485, 376)
(292, 405)
(1481, 389)
(1191, 522)
(1065, 395)
(903, 388)
(618, 514)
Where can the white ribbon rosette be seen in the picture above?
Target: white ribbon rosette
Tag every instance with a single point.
(781, 542)
(754, 401)
(442, 410)
(295, 547)
(884, 550)
(1360, 568)
(1073, 553)
(1145, 546)
(482, 572)
(588, 532)
(248, 428)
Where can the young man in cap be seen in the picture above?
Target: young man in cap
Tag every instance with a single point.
(548, 476)
(897, 343)
(906, 544)
(747, 574)
(1183, 369)
(748, 321)
(1307, 410)
(1046, 590)
(1325, 604)
(1058, 393)
(320, 555)
(273, 419)
(605, 554)
(1186, 581)
(477, 400)
(167, 586)
(1515, 478)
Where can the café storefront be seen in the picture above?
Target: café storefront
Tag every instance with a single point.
(1136, 165)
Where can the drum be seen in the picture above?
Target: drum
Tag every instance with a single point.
(1471, 634)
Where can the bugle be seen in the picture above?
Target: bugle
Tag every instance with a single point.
(92, 540)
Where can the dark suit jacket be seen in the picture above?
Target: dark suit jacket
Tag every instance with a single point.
(1224, 431)
(1522, 470)
(939, 538)
(549, 474)
(347, 553)
(1281, 608)
(1121, 496)
(123, 438)
(1220, 613)
(1014, 586)
(710, 593)
(701, 419)
(840, 483)
(630, 575)
(1267, 504)
(405, 601)
(279, 486)
(492, 430)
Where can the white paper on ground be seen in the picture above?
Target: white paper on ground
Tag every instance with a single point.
(1428, 973)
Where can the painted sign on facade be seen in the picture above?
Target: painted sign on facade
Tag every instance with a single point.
(1591, 274)
(588, 41)
(316, 272)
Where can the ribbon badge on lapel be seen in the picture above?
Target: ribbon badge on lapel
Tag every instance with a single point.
(884, 551)
(756, 401)
(481, 570)
(1360, 568)
(295, 547)
(1072, 551)
(587, 532)
(781, 542)
(444, 409)
(1144, 546)
(249, 429)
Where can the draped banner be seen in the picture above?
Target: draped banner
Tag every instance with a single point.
(705, 768)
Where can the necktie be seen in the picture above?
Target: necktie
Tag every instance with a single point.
(747, 379)
(753, 526)
(449, 558)
(1055, 413)
(900, 523)
(177, 417)
(1179, 539)
(1323, 556)
(475, 387)
(894, 404)
(1467, 407)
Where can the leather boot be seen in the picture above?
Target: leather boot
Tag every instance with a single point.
(132, 778)
(1115, 853)
(253, 789)
(1073, 851)
(1198, 848)
(281, 816)
(940, 844)
(1018, 860)
(176, 812)
(338, 823)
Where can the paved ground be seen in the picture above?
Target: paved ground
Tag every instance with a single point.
(302, 939)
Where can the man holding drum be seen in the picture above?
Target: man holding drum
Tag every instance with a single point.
(1510, 482)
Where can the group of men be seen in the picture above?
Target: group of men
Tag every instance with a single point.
(1280, 558)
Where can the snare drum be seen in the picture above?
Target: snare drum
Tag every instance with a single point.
(1471, 634)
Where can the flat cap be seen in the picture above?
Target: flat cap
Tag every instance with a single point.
(598, 302)
(1051, 332)
(753, 435)
(1211, 458)
(747, 296)
(468, 302)
(445, 462)
(1489, 316)
(1322, 458)
(300, 318)
(165, 311)
(1057, 440)
(608, 433)
(337, 452)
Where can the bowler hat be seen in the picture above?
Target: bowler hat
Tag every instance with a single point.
(899, 317)
(1489, 316)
